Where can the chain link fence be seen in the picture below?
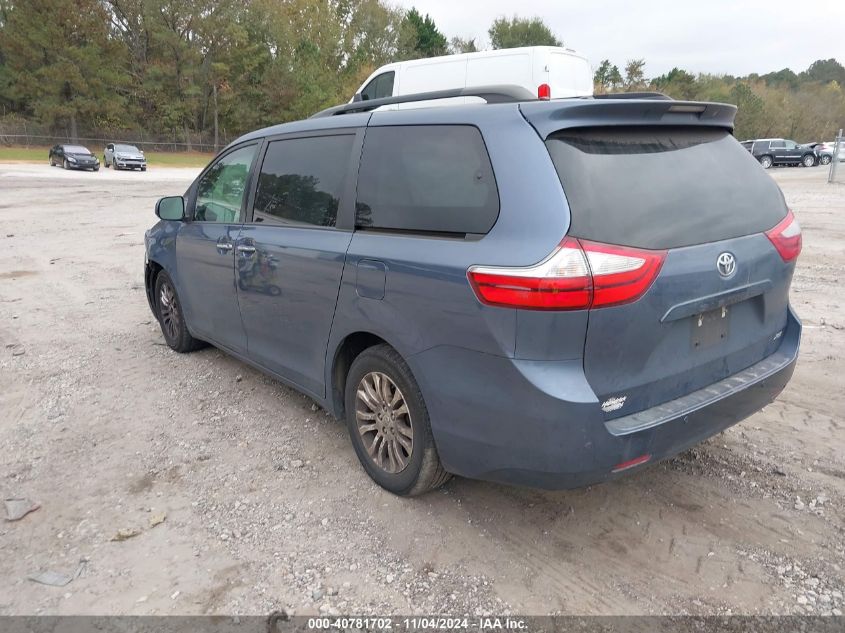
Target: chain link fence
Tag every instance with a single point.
(837, 163)
(17, 131)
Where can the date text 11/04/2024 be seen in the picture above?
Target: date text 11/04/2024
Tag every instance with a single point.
(419, 624)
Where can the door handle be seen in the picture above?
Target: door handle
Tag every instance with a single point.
(246, 250)
(224, 246)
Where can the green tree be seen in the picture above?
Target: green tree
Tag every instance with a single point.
(516, 32)
(60, 65)
(607, 77)
(461, 45)
(635, 74)
(825, 70)
(420, 37)
(677, 83)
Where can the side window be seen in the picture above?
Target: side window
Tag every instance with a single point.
(791, 144)
(381, 86)
(220, 191)
(777, 145)
(426, 178)
(302, 180)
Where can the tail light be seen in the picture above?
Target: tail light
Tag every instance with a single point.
(544, 91)
(786, 237)
(577, 275)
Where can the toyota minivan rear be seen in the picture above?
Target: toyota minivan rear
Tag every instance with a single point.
(681, 251)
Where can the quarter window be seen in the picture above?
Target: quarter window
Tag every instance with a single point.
(427, 178)
(302, 180)
(220, 191)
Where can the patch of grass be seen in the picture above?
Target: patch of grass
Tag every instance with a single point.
(163, 159)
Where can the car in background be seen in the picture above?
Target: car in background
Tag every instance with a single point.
(545, 71)
(123, 156)
(823, 152)
(778, 151)
(505, 291)
(73, 157)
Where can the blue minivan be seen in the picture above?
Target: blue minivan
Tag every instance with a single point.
(543, 293)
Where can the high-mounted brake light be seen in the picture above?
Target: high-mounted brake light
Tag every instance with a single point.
(544, 91)
(577, 275)
(786, 237)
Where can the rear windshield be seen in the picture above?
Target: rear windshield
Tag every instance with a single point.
(662, 187)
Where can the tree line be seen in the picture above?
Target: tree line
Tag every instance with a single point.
(212, 69)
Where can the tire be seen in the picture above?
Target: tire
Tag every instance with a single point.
(96, 169)
(143, 169)
(171, 317)
(401, 473)
(825, 160)
(766, 161)
(809, 160)
(52, 164)
(65, 164)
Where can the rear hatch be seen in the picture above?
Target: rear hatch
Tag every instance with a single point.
(694, 198)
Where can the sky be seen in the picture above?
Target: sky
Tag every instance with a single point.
(718, 36)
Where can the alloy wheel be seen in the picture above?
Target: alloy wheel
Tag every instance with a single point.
(384, 422)
(169, 311)
(809, 161)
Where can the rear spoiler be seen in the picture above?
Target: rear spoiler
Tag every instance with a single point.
(550, 116)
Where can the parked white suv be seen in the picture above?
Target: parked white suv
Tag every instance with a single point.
(123, 156)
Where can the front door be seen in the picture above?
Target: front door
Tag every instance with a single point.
(290, 255)
(205, 249)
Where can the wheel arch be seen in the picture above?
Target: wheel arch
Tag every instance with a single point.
(349, 348)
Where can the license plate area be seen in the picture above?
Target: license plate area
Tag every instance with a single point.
(710, 328)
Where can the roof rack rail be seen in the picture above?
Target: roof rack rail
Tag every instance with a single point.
(491, 94)
(634, 95)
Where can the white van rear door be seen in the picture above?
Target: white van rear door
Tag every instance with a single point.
(568, 75)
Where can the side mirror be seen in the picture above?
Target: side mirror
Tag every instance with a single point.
(171, 208)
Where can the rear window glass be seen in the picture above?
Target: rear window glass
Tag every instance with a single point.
(432, 178)
(302, 179)
(662, 187)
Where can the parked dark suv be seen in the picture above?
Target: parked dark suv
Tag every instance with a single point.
(545, 293)
(778, 151)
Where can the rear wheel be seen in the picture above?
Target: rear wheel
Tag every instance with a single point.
(766, 161)
(809, 160)
(825, 160)
(171, 318)
(389, 425)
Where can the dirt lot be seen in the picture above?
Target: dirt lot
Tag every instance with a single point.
(266, 506)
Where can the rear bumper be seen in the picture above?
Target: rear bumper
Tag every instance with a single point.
(538, 423)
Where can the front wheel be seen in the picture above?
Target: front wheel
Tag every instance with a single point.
(766, 162)
(389, 425)
(825, 160)
(171, 318)
(65, 164)
(808, 161)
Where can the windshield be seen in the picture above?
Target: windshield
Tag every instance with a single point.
(76, 149)
(127, 148)
(668, 187)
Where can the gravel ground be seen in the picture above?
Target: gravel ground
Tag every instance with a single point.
(265, 506)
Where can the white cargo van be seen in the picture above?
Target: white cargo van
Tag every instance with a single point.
(550, 72)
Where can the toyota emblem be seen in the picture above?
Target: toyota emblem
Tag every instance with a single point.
(726, 264)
